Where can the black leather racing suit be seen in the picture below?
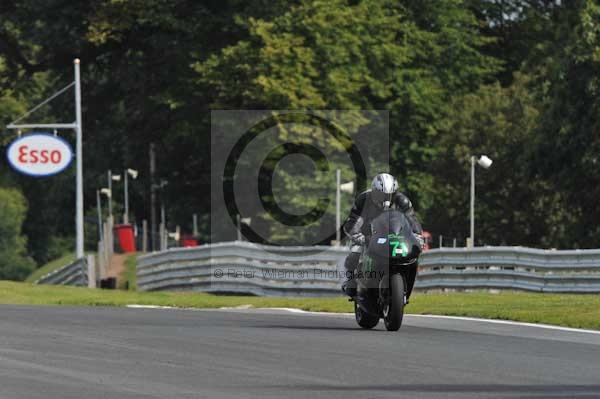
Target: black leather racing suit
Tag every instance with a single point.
(362, 214)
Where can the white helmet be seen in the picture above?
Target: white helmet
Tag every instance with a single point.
(383, 188)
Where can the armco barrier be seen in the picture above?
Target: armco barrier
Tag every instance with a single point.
(72, 274)
(241, 267)
(571, 271)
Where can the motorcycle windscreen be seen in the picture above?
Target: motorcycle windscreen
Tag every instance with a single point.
(392, 238)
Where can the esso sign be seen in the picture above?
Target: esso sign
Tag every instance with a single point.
(39, 154)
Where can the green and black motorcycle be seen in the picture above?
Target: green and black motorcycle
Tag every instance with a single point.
(390, 252)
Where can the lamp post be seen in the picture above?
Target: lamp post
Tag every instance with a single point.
(348, 188)
(99, 206)
(108, 193)
(134, 174)
(338, 236)
(163, 221)
(111, 177)
(485, 163)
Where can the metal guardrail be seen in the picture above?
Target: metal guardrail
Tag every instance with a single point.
(241, 267)
(518, 268)
(71, 274)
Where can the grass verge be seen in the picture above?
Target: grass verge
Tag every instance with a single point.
(128, 279)
(50, 267)
(579, 311)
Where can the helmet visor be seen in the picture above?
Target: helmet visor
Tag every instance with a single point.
(380, 198)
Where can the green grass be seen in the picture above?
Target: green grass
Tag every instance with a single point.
(50, 266)
(580, 311)
(32, 294)
(128, 279)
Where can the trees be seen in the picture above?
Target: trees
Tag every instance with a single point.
(515, 78)
(515, 204)
(138, 87)
(569, 143)
(540, 126)
(14, 262)
(409, 58)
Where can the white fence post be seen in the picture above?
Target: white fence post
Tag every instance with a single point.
(91, 270)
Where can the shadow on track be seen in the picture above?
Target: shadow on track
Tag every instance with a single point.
(552, 391)
(292, 327)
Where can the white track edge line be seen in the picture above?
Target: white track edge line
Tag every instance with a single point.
(300, 311)
(508, 322)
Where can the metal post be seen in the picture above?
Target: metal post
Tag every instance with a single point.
(91, 271)
(441, 241)
(110, 208)
(110, 239)
(472, 241)
(101, 260)
(195, 224)
(77, 126)
(99, 206)
(144, 236)
(79, 155)
(338, 234)
(106, 245)
(126, 213)
(153, 223)
(239, 228)
(163, 228)
(161, 233)
(454, 243)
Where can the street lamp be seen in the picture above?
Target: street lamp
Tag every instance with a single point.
(108, 193)
(99, 209)
(348, 188)
(111, 177)
(485, 163)
(161, 234)
(134, 174)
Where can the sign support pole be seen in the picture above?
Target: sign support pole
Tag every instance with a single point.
(79, 156)
(472, 208)
(338, 227)
(126, 196)
(77, 126)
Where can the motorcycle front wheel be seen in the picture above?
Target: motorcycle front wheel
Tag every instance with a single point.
(395, 308)
(364, 319)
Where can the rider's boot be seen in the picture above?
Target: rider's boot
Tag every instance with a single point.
(351, 264)
(349, 286)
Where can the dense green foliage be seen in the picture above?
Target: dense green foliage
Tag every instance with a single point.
(515, 79)
(14, 263)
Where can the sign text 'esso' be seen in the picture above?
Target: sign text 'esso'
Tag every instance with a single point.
(39, 154)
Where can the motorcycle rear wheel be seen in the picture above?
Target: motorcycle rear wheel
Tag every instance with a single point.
(395, 312)
(365, 320)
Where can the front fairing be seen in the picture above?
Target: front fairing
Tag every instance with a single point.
(392, 238)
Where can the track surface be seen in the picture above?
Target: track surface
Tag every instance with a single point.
(61, 352)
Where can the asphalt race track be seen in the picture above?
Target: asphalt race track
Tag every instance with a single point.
(62, 352)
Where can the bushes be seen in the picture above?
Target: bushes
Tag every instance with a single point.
(15, 264)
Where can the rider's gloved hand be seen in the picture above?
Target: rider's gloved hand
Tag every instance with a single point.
(421, 240)
(358, 238)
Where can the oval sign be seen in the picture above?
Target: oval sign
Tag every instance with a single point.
(39, 154)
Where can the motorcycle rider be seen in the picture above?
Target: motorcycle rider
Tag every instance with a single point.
(368, 205)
